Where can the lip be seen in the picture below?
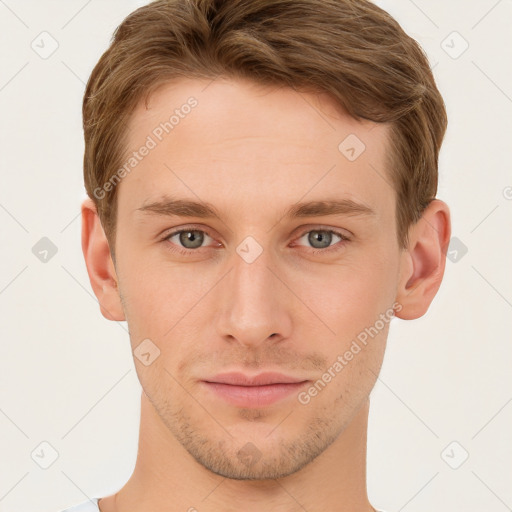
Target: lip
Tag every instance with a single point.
(262, 379)
(253, 391)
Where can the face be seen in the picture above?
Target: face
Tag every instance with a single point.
(267, 275)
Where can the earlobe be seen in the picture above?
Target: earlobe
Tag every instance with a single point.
(423, 262)
(100, 267)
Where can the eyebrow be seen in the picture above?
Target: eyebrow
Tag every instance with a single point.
(191, 208)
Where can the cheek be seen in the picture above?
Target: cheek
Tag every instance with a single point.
(351, 296)
(160, 297)
(355, 302)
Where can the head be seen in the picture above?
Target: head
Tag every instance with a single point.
(307, 133)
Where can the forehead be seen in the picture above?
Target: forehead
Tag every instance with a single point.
(228, 141)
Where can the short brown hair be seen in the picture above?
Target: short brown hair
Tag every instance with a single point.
(351, 49)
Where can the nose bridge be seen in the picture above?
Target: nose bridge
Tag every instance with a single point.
(253, 305)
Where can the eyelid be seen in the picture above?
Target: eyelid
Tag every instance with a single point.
(344, 233)
(306, 229)
(186, 227)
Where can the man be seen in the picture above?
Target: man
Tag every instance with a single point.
(262, 178)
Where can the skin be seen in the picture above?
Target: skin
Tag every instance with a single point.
(211, 311)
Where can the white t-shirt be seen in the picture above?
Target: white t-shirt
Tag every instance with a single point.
(87, 506)
(92, 506)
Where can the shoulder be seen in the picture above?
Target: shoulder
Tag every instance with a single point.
(87, 506)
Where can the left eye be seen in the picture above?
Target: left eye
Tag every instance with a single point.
(321, 239)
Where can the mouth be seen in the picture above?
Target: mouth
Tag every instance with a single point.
(253, 391)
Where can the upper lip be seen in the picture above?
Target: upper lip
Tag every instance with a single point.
(240, 379)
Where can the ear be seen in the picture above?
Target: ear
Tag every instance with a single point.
(100, 266)
(423, 262)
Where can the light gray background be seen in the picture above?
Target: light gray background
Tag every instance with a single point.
(66, 374)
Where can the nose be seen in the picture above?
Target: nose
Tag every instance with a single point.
(254, 304)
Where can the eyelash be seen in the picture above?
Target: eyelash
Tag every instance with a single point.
(187, 252)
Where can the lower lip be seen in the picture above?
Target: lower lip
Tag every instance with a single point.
(254, 396)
